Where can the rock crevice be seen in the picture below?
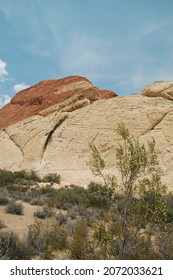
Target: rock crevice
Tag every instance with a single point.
(51, 132)
(156, 123)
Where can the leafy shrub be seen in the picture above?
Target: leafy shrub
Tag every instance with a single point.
(14, 208)
(11, 248)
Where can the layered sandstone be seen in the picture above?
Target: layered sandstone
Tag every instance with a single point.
(46, 94)
(57, 138)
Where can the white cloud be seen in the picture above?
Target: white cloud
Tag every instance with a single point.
(19, 87)
(4, 99)
(3, 71)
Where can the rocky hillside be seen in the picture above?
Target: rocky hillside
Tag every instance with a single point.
(49, 126)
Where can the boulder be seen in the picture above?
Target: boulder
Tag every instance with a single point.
(159, 89)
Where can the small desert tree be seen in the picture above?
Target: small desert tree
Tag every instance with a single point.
(140, 188)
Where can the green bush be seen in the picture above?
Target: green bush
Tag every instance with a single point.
(74, 195)
(99, 195)
(18, 177)
(14, 208)
(6, 177)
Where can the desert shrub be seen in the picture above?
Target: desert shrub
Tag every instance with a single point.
(37, 240)
(18, 177)
(64, 206)
(14, 208)
(42, 240)
(92, 215)
(32, 195)
(61, 218)
(3, 198)
(37, 201)
(74, 195)
(52, 178)
(11, 248)
(79, 244)
(70, 225)
(43, 213)
(73, 212)
(6, 177)
(48, 191)
(87, 214)
(33, 176)
(57, 238)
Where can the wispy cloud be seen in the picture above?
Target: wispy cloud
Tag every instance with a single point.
(3, 71)
(4, 99)
(19, 87)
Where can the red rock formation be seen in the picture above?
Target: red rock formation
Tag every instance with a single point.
(31, 101)
(106, 94)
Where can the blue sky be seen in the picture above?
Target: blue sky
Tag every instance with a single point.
(121, 45)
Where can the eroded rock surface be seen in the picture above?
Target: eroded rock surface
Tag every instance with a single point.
(57, 138)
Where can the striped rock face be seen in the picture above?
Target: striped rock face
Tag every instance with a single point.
(49, 93)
